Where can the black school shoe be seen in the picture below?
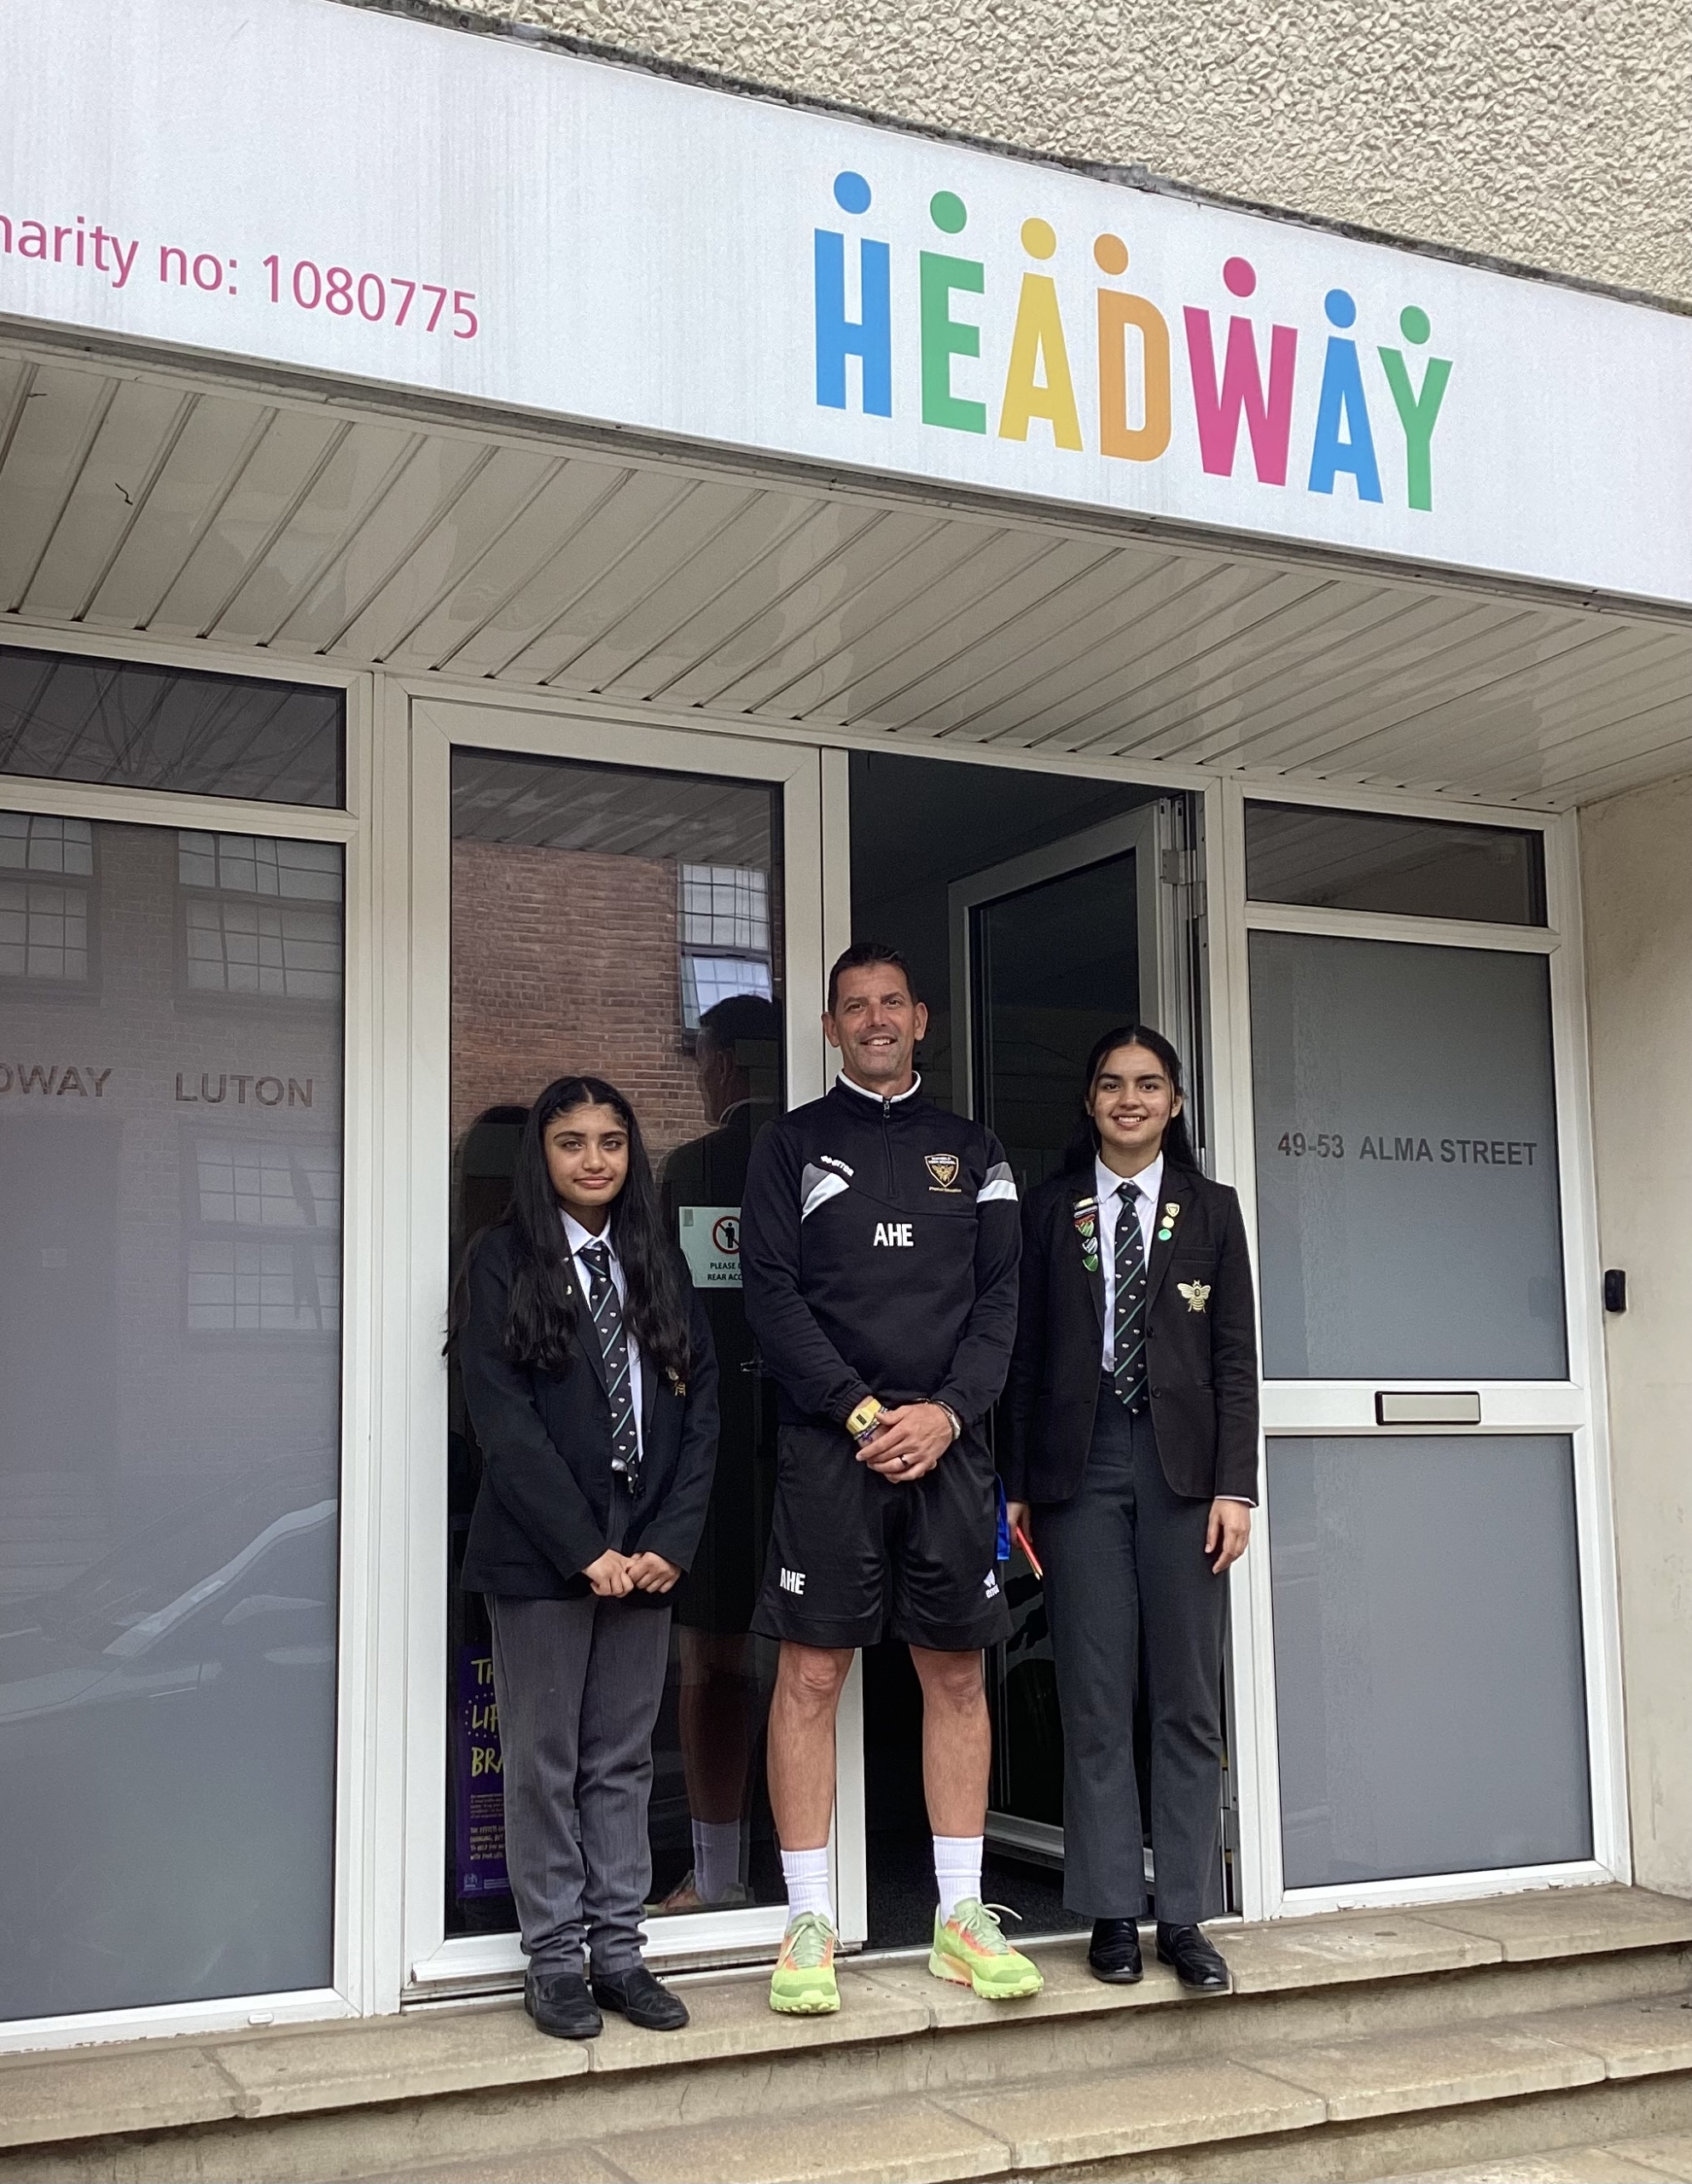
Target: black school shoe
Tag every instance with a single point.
(1197, 1964)
(636, 1995)
(1113, 1953)
(560, 2004)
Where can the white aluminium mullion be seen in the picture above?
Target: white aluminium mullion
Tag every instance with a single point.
(155, 807)
(416, 1232)
(1256, 1733)
(1392, 925)
(1595, 1512)
(357, 1973)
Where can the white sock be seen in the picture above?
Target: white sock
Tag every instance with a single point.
(958, 1870)
(716, 1858)
(806, 1874)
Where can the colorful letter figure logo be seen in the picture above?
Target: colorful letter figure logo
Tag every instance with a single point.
(1243, 375)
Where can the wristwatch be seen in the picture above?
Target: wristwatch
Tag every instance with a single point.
(862, 1422)
(957, 1422)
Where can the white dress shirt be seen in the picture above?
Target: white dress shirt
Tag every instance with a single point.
(1107, 1187)
(1147, 1186)
(578, 1237)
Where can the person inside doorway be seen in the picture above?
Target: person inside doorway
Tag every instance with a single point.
(1129, 1454)
(736, 1058)
(589, 1379)
(879, 1247)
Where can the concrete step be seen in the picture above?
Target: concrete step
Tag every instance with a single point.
(1628, 2161)
(1355, 2047)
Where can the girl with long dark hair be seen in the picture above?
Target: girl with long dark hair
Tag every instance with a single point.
(1130, 1462)
(589, 1379)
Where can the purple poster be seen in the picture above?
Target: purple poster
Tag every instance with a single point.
(480, 1803)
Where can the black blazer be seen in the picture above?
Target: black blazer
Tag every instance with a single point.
(545, 1503)
(1201, 1349)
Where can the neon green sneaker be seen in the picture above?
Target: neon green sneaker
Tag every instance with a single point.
(970, 1949)
(803, 1983)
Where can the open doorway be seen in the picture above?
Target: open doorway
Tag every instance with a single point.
(1036, 911)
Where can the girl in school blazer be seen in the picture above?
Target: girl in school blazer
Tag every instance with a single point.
(591, 1380)
(1129, 1449)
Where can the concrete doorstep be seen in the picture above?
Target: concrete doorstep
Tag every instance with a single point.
(1349, 2042)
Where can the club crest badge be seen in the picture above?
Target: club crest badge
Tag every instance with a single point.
(943, 1167)
(1087, 1229)
(1166, 1229)
(1197, 1294)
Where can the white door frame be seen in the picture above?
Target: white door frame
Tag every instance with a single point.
(355, 1978)
(552, 728)
(1575, 1407)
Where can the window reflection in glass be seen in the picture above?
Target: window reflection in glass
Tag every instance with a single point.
(1384, 861)
(627, 924)
(131, 724)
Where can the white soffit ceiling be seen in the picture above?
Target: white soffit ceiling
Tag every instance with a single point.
(150, 502)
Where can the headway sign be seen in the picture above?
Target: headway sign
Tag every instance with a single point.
(374, 200)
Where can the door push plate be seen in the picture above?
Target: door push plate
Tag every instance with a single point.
(1440, 1407)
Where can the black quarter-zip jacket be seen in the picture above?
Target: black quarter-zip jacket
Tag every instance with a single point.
(879, 1243)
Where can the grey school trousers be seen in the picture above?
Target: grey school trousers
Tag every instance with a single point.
(579, 1684)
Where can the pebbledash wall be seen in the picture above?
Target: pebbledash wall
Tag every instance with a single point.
(1636, 855)
(1553, 135)
(1546, 136)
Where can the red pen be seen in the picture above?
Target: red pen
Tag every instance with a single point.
(1030, 1557)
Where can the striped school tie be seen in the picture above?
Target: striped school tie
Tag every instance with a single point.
(606, 1308)
(1128, 1334)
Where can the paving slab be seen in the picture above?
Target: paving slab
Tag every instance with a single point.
(293, 2073)
(905, 2142)
(1635, 2038)
(85, 2092)
(1328, 1951)
(1064, 2118)
(1070, 1990)
(1387, 2074)
(733, 2017)
(1569, 1921)
(1568, 2165)
(1660, 2156)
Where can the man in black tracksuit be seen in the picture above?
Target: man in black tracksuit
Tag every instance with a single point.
(879, 1246)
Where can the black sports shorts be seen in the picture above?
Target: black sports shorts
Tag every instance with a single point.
(854, 1557)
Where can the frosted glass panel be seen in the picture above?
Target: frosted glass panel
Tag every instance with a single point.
(170, 1369)
(1408, 1215)
(1427, 1662)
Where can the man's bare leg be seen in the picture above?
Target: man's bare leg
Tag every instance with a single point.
(809, 1681)
(957, 1740)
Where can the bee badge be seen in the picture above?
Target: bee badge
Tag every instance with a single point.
(1197, 1294)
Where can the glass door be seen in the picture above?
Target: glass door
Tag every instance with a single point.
(1439, 1655)
(1051, 949)
(643, 907)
